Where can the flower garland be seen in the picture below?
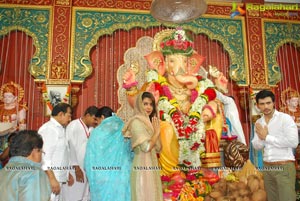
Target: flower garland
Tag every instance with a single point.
(178, 42)
(188, 185)
(66, 99)
(190, 129)
(47, 99)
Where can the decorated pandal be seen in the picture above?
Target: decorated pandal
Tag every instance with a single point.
(204, 156)
(199, 149)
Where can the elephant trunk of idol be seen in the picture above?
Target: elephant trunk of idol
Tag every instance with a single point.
(188, 80)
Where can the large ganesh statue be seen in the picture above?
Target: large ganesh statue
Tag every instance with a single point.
(192, 118)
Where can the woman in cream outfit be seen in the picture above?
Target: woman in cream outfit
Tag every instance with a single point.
(144, 131)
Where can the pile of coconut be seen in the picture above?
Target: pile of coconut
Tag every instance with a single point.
(247, 185)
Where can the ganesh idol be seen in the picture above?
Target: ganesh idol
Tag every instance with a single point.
(185, 99)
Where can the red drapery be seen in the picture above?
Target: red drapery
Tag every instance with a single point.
(16, 51)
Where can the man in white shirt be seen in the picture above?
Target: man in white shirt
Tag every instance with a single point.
(78, 132)
(277, 134)
(55, 161)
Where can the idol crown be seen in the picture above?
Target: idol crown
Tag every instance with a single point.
(177, 43)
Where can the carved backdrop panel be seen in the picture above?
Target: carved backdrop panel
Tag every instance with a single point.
(34, 21)
(278, 33)
(90, 24)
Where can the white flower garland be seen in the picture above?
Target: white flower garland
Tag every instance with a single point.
(185, 152)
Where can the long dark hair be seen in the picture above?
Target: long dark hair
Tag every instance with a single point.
(150, 95)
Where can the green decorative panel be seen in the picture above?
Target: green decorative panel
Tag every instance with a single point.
(35, 23)
(231, 34)
(276, 35)
(89, 25)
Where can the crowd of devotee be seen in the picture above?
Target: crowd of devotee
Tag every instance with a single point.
(85, 158)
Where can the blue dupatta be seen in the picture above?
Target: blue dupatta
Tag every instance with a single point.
(107, 162)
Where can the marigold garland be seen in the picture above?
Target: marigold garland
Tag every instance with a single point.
(46, 96)
(188, 185)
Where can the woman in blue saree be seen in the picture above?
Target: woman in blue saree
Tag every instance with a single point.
(108, 159)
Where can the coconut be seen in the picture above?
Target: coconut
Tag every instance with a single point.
(253, 184)
(262, 184)
(259, 195)
(244, 192)
(216, 194)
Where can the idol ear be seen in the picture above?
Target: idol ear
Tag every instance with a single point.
(195, 61)
(156, 61)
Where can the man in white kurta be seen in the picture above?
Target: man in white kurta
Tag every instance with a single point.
(231, 112)
(230, 109)
(55, 161)
(78, 132)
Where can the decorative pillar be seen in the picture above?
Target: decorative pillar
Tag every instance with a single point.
(258, 72)
(61, 29)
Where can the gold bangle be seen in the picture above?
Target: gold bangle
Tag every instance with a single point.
(134, 88)
(132, 93)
